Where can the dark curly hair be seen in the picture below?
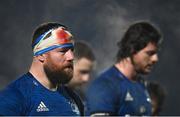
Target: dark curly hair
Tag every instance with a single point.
(136, 38)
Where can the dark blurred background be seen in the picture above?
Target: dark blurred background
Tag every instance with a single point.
(101, 23)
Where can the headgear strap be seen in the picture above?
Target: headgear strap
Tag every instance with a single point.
(59, 38)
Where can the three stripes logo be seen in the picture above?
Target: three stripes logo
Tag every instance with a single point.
(42, 107)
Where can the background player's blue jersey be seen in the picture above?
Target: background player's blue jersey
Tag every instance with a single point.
(26, 96)
(113, 93)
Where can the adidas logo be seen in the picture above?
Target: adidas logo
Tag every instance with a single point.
(129, 97)
(42, 107)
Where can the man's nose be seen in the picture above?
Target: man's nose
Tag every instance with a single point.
(155, 58)
(86, 78)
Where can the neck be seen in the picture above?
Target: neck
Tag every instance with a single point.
(37, 71)
(126, 67)
(71, 85)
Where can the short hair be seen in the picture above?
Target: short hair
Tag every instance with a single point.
(83, 50)
(158, 92)
(41, 29)
(136, 38)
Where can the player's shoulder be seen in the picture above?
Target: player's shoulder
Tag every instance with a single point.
(108, 79)
(110, 75)
(23, 85)
(15, 97)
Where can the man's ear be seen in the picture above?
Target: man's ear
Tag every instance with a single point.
(41, 58)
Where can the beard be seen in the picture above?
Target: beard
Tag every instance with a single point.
(139, 68)
(60, 76)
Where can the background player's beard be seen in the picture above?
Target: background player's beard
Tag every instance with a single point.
(140, 70)
(57, 77)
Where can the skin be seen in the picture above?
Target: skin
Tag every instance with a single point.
(154, 106)
(145, 59)
(82, 70)
(53, 68)
(141, 62)
(58, 65)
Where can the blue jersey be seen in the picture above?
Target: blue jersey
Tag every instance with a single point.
(26, 96)
(114, 94)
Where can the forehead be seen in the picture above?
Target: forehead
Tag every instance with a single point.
(150, 47)
(83, 63)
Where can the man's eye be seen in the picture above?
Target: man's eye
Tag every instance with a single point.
(85, 72)
(72, 49)
(150, 53)
(63, 51)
